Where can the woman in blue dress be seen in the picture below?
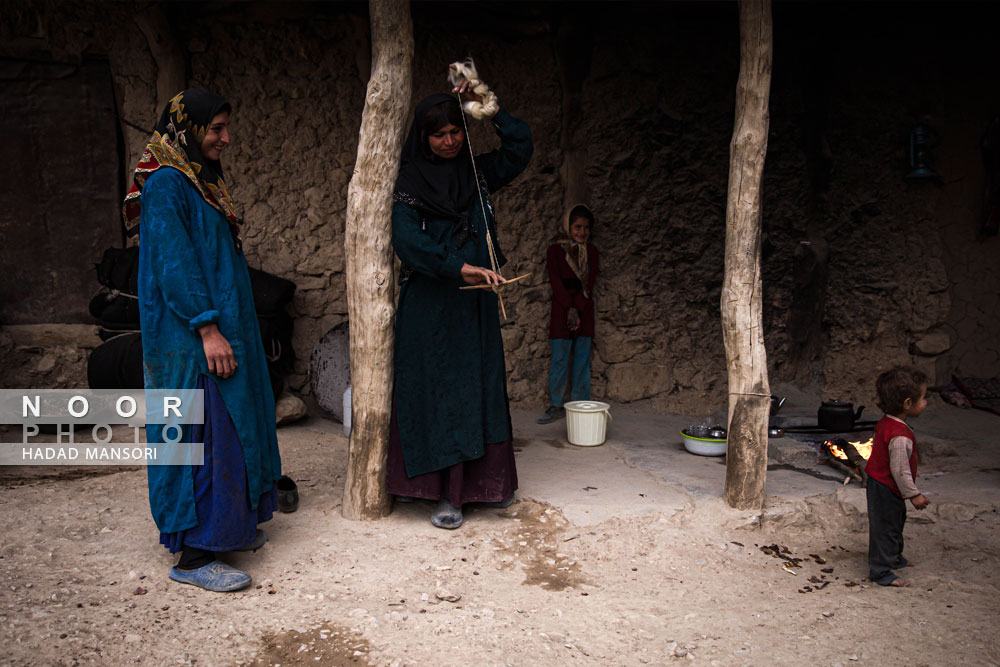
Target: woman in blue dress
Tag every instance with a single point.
(200, 331)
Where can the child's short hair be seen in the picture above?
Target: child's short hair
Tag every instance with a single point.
(898, 384)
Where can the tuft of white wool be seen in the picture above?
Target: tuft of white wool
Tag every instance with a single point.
(466, 69)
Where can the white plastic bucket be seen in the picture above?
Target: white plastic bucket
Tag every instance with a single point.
(586, 422)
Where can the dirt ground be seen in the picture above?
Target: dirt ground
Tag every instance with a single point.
(657, 570)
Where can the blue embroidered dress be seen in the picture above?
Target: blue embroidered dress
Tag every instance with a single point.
(190, 275)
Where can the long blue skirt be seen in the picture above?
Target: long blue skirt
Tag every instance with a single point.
(222, 503)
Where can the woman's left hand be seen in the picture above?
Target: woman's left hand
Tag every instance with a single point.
(464, 88)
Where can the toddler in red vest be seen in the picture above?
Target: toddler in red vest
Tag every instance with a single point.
(892, 468)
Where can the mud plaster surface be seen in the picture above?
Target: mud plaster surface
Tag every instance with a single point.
(904, 259)
(621, 554)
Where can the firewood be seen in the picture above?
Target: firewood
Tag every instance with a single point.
(840, 465)
(855, 459)
(855, 462)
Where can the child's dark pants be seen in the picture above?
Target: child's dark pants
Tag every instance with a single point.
(886, 516)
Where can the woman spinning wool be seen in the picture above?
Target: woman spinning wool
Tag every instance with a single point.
(451, 436)
(199, 330)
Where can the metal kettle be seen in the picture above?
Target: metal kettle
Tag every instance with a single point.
(838, 416)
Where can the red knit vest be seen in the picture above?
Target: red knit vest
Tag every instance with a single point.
(878, 463)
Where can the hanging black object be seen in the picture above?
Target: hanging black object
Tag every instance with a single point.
(919, 155)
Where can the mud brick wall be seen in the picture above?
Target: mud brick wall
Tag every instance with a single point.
(631, 108)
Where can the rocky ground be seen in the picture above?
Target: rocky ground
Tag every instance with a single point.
(610, 556)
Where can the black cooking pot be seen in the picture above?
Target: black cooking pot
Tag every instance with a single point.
(838, 416)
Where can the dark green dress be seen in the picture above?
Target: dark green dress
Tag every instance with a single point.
(450, 380)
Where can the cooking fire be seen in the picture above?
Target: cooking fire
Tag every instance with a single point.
(863, 448)
(850, 457)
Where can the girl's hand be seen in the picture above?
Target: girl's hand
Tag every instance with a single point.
(920, 502)
(477, 275)
(464, 88)
(218, 352)
(573, 319)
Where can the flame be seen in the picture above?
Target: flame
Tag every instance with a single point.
(864, 449)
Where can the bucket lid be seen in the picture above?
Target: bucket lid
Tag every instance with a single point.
(586, 406)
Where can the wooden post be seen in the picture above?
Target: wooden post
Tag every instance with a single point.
(169, 56)
(742, 320)
(368, 249)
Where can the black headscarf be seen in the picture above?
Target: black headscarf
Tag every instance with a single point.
(433, 185)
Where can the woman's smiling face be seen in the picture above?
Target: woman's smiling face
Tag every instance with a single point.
(216, 137)
(447, 141)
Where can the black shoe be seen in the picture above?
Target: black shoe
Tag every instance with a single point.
(288, 494)
(552, 414)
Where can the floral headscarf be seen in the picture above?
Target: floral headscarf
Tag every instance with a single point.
(176, 142)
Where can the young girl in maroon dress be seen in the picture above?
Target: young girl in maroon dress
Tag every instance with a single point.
(572, 264)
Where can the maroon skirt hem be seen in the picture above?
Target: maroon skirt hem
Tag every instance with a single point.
(492, 478)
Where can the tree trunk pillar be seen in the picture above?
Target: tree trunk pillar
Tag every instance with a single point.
(368, 250)
(742, 318)
(168, 54)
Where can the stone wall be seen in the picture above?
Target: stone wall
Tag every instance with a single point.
(297, 89)
(631, 108)
(907, 277)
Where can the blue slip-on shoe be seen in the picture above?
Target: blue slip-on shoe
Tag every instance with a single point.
(258, 541)
(446, 515)
(216, 576)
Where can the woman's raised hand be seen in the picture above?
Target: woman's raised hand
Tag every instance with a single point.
(477, 275)
(218, 352)
(464, 88)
